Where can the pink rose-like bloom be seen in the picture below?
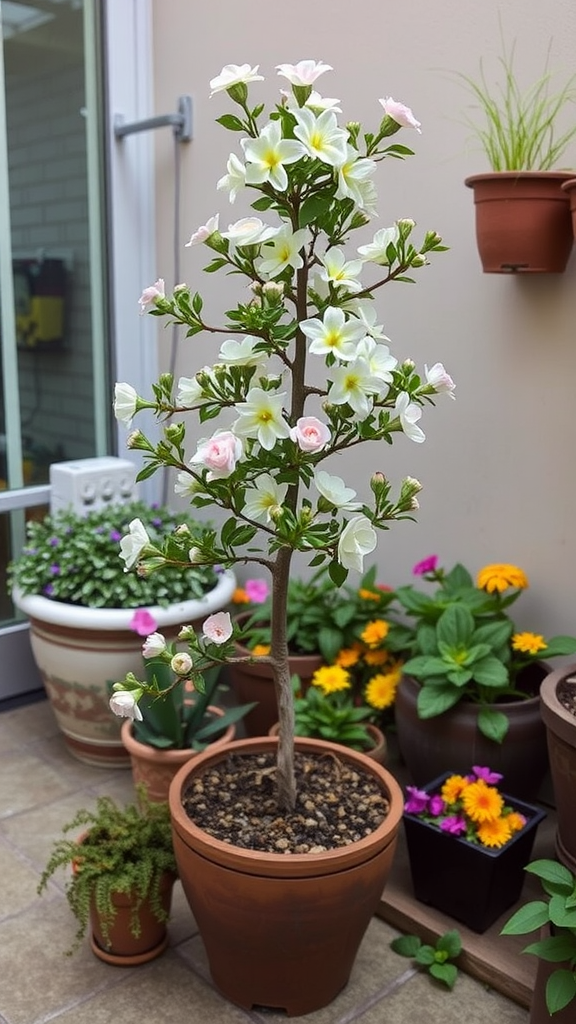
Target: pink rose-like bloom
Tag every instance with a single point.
(150, 294)
(426, 565)
(310, 434)
(257, 590)
(492, 778)
(400, 113)
(218, 628)
(142, 622)
(436, 807)
(153, 646)
(417, 801)
(219, 454)
(454, 825)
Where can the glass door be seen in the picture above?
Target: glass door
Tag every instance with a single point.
(53, 366)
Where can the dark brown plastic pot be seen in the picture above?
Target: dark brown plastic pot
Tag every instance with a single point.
(282, 930)
(452, 741)
(522, 221)
(561, 735)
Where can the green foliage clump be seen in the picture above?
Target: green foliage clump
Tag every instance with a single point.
(434, 959)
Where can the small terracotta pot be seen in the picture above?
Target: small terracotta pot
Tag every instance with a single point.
(378, 751)
(561, 737)
(124, 949)
(156, 768)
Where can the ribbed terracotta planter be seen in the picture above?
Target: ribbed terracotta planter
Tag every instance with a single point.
(522, 221)
(378, 751)
(561, 736)
(124, 949)
(155, 768)
(452, 741)
(78, 651)
(570, 188)
(282, 930)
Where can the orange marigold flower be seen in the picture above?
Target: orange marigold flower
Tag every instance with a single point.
(331, 678)
(381, 690)
(495, 833)
(376, 657)
(500, 576)
(481, 802)
(516, 821)
(453, 788)
(375, 632)
(347, 657)
(368, 595)
(240, 596)
(260, 650)
(528, 643)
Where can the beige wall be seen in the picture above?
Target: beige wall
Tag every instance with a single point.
(498, 465)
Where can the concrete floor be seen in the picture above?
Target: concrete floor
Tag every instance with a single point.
(41, 788)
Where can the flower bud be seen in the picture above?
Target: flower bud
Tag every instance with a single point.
(408, 365)
(174, 433)
(377, 482)
(195, 556)
(405, 227)
(181, 664)
(187, 633)
(137, 440)
(418, 260)
(166, 382)
(183, 531)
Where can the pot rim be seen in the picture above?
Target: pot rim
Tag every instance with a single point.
(555, 716)
(173, 755)
(278, 864)
(562, 176)
(58, 613)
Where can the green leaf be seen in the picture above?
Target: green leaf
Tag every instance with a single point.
(529, 918)
(231, 122)
(435, 699)
(554, 874)
(455, 626)
(264, 203)
(425, 955)
(406, 945)
(451, 943)
(560, 990)
(315, 208)
(446, 973)
(337, 573)
(492, 724)
(490, 672)
(560, 914)
(554, 949)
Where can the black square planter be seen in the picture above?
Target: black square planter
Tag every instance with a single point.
(471, 883)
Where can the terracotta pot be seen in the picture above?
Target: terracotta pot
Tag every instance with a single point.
(452, 741)
(522, 221)
(124, 949)
(255, 682)
(561, 736)
(570, 188)
(378, 751)
(538, 1010)
(79, 650)
(282, 930)
(155, 768)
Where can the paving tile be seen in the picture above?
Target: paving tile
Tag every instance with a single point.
(26, 781)
(34, 831)
(24, 725)
(19, 882)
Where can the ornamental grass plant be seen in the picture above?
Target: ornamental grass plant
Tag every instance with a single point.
(308, 314)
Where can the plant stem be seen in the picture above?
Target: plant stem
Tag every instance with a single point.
(285, 780)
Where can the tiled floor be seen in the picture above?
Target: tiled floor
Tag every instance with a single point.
(41, 788)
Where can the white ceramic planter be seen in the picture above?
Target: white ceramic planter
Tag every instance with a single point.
(79, 651)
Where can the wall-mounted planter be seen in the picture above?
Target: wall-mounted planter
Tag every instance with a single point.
(570, 188)
(522, 221)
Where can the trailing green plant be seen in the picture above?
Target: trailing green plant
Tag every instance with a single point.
(121, 850)
(558, 914)
(518, 132)
(433, 959)
(75, 559)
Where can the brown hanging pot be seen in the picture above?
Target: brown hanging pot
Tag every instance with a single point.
(522, 221)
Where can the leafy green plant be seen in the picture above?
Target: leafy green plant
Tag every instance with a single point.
(434, 959)
(331, 716)
(76, 559)
(518, 132)
(123, 849)
(464, 646)
(558, 913)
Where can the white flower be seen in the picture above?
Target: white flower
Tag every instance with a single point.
(341, 272)
(218, 628)
(153, 646)
(195, 556)
(334, 334)
(235, 179)
(379, 359)
(376, 252)
(305, 72)
(353, 173)
(409, 413)
(365, 310)
(189, 391)
(181, 663)
(283, 251)
(261, 417)
(335, 491)
(266, 495)
(240, 353)
(134, 543)
(219, 454)
(266, 156)
(125, 403)
(367, 197)
(441, 381)
(233, 74)
(151, 294)
(123, 704)
(321, 136)
(358, 538)
(249, 231)
(204, 232)
(317, 102)
(354, 385)
(400, 113)
(185, 485)
(310, 434)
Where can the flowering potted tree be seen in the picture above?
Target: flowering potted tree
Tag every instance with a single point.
(278, 425)
(87, 614)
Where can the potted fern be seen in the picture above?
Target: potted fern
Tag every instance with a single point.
(522, 213)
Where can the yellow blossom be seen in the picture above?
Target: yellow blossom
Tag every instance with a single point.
(260, 650)
(482, 802)
(331, 678)
(528, 643)
(240, 596)
(515, 821)
(500, 576)
(381, 690)
(347, 657)
(375, 632)
(369, 595)
(494, 833)
(453, 788)
(376, 657)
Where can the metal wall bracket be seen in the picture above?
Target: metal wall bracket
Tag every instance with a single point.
(181, 122)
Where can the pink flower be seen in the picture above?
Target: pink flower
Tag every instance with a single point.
(218, 628)
(310, 434)
(417, 801)
(153, 646)
(257, 590)
(453, 824)
(426, 565)
(150, 294)
(142, 622)
(492, 778)
(219, 454)
(400, 113)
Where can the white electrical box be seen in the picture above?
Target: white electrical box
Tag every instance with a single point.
(87, 485)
